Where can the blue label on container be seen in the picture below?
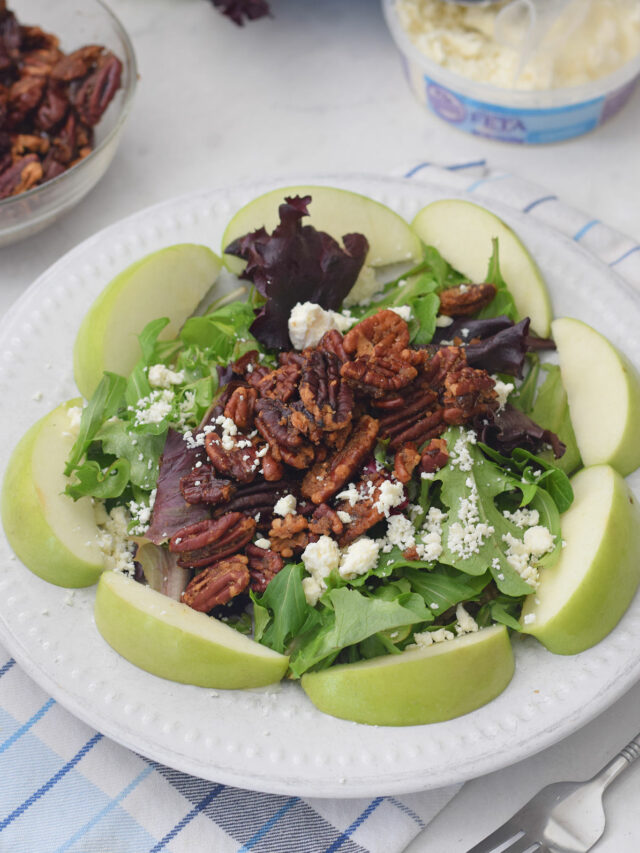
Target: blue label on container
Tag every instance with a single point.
(512, 124)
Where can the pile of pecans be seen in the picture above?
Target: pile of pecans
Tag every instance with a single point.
(305, 432)
(49, 103)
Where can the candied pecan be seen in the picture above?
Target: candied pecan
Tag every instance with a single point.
(29, 143)
(468, 393)
(287, 444)
(240, 407)
(272, 470)
(404, 462)
(332, 341)
(96, 91)
(381, 334)
(335, 440)
(376, 376)
(325, 521)
(241, 463)
(217, 584)
(364, 513)
(52, 108)
(24, 95)
(34, 38)
(281, 383)
(212, 539)
(40, 62)
(434, 456)
(201, 486)
(305, 423)
(76, 64)
(289, 535)
(264, 565)
(324, 394)
(443, 361)
(325, 478)
(466, 299)
(290, 357)
(20, 176)
(258, 500)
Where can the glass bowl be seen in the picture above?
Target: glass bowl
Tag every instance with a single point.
(76, 23)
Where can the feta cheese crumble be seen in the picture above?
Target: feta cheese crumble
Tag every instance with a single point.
(390, 495)
(160, 376)
(359, 558)
(308, 322)
(319, 559)
(403, 311)
(286, 506)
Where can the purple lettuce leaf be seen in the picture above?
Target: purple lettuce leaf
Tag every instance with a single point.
(297, 263)
(239, 10)
(510, 428)
(467, 329)
(503, 352)
(161, 570)
(170, 510)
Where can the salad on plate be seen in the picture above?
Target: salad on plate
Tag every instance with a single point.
(362, 467)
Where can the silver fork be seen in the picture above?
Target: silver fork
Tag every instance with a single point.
(567, 817)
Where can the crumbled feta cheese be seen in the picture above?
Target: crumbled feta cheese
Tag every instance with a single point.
(161, 376)
(74, 413)
(286, 506)
(359, 558)
(466, 623)
(350, 494)
(423, 639)
(502, 389)
(468, 534)
(529, 618)
(390, 495)
(312, 589)
(442, 321)
(401, 532)
(539, 540)
(523, 517)
(403, 311)
(263, 543)
(154, 408)
(460, 456)
(344, 517)
(429, 546)
(365, 288)
(320, 559)
(308, 322)
(113, 539)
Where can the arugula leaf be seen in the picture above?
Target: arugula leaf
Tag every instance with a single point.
(141, 449)
(473, 530)
(551, 411)
(503, 302)
(284, 599)
(92, 480)
(445, 586)
(105, 402)
(522, 398)
(501, 609)
(353, 618)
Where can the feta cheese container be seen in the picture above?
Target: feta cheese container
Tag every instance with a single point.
(507, 114)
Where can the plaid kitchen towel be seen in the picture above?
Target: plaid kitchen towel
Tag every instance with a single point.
(65, 787)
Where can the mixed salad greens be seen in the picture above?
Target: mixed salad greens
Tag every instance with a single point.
(460, 550)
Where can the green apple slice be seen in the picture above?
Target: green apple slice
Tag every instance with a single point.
(170, 639)
(462, 232)
(338, 212)
(426, 685)
(54, 536)
(603, 389)
(582, 598)
(168, 283)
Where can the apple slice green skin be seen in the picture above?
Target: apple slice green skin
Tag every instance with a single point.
(582, 598)
(429, 685)
(603, 389)
(169, 639)
(55, 537)
(168, 283)
(336, 211)
(462, 232)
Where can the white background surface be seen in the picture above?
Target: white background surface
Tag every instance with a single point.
(319, 88)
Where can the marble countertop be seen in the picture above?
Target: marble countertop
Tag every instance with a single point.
(319, 88)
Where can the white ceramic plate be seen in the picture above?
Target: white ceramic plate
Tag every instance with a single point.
(273, 739)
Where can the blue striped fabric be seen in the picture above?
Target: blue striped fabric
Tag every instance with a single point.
(64, 788)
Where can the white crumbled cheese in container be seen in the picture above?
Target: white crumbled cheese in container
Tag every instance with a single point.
(359, 558)
(286, 506)
(308, 322)
(160, 376)
(586, 41)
